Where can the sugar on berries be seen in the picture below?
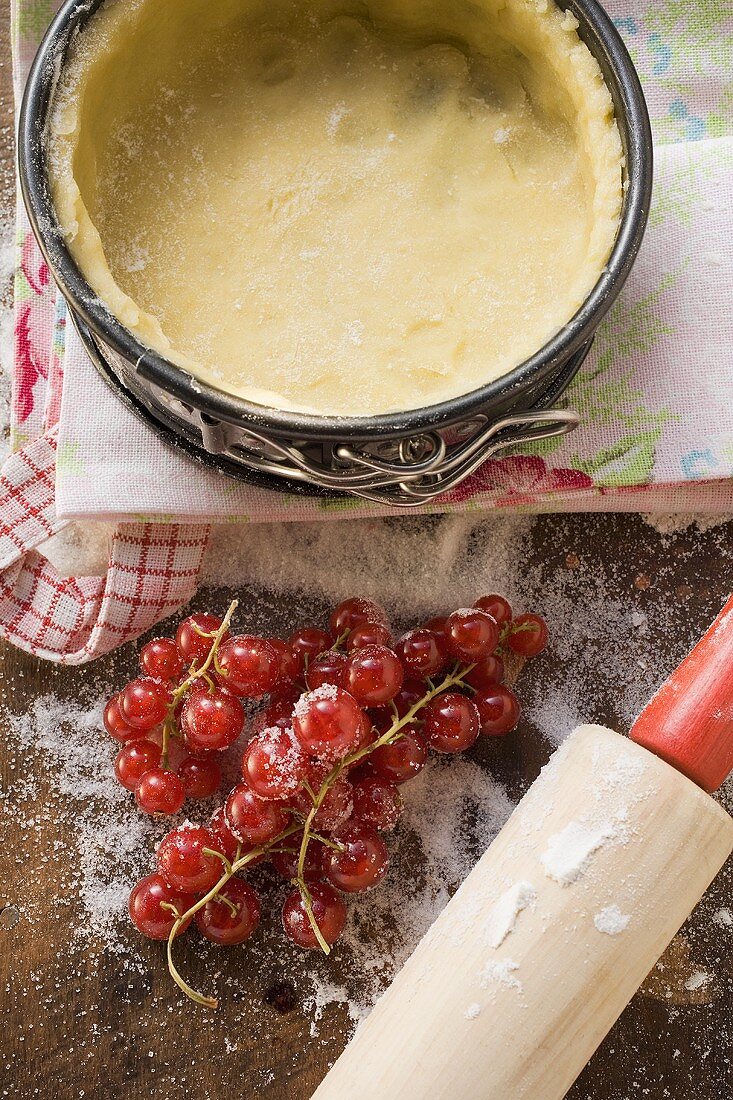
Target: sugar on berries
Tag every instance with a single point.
(348, 716)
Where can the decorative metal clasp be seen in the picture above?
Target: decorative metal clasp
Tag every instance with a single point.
(464, 459)
(408, 472)
(402, 472)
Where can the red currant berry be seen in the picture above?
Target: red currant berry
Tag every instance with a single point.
(190, 640)
(286, 861)
(161, 660)
(329, 912)
(471, 634)
(402, 759)
(420, 653)
(250, 667)
(496, 606)
(176, 749)
(278, 712)
(183, 863)
(232, 923)
(377, 803)
(368, 634)
(374, 675)
(223, 839)
(201, 777)
(451, 722)
(115, 724)
(367, 733)
(274, 765)
(309, 642)
(528, 635)
(328, 668)
(146, 908)
(291, 663)
(359, 863)
(354, 612)
(328, 722)
(160, 792)
(411, 692)
(211, 720)
(499, 710)
(486, 673)
(439, 627)
(254, 820)
(144, 703)
(336, 807)
(133, 760)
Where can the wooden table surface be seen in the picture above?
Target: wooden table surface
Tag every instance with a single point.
(82, 1022)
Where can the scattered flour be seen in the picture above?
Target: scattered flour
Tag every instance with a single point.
(697, 980)
(503, 916)
(473, 1011)
(611, 921)
(568, 852)
(673, 523)
(723, 918)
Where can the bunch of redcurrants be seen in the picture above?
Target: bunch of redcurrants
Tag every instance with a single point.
(350, 716)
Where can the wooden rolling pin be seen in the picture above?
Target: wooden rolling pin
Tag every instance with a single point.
(530, 964)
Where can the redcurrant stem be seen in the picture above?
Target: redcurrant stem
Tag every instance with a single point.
(510, 628)
(230, 869)
(327, 842)
(219, 855)
(454, 678)
(308, 906)
(239, 863)
(196, 672)
(224, 900)
(199, 670)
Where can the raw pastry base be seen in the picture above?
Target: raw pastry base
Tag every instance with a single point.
(325, 211)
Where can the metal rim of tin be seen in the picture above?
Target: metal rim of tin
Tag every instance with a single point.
(531, 379)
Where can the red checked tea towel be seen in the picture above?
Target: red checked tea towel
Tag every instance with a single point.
(153, 570)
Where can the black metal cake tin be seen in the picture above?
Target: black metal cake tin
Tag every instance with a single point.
(405, 459)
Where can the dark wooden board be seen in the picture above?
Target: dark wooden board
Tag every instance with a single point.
(80, 1023)
(77, 1023)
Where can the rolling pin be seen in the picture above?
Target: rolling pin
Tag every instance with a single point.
(532, 961)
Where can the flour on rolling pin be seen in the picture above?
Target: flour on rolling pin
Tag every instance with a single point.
(611, 921)
(501, 973)
(548, 937)
(568, 853)
(563, 855)
(503, 916)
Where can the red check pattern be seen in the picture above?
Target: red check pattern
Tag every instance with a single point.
(153, 570)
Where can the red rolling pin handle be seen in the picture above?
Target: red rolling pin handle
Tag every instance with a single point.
(689, 722)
